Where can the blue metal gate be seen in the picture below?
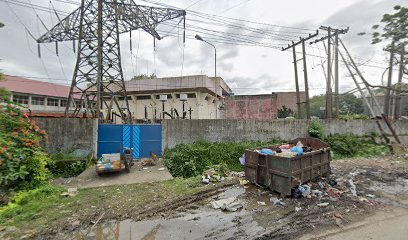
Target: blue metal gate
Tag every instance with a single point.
(143, 138)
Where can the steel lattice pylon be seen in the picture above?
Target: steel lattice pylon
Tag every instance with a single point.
(98, 81)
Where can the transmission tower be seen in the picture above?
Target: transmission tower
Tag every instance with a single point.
(97, 82)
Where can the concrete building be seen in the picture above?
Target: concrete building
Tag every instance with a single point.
(260, 107)
(289, 99)
(40, 98)
(255, 107)
(201, 96)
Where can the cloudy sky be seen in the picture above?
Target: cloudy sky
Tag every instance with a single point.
(247, 69)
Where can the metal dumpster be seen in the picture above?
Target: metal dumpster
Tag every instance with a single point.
(280, 173)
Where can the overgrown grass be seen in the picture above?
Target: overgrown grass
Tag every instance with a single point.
(44, 207)
(348, 146)
(186, 160)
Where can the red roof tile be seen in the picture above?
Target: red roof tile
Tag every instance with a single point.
(24, 85)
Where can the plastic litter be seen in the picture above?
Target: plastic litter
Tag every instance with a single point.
(370, 195)
(297, 209)
(332, 182)
(305, 190)
(206, 179)
(324, 204)
(242, 160)
(267, 151)
(296, 193)
(297, 150)
(316, 192)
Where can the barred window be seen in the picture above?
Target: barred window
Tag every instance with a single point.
(20, 99)
(63, 103)
(52, 102)
(37, 101)
(143, 97)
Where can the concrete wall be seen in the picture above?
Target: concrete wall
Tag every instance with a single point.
(187, 131)
(69, 133)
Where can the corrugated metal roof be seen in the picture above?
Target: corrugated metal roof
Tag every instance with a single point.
(25, 85)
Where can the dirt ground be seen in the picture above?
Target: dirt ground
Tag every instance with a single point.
(138, 174)
(378, 211)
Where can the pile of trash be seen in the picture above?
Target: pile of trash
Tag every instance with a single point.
(284, 150)
(216, 173)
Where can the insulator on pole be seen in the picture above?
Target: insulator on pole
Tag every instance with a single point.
(56, 48)
(39, 50)
(130, 37)
(73, 45)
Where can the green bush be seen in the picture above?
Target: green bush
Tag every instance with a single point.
(187, 160)
(316, 129)
(68, 168)
(22, 160)
(348, 145)
(353, 117)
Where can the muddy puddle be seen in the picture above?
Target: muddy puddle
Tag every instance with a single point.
(259, 218)
(202, 222)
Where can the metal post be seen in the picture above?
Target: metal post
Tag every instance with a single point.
(336, 75)
(328, 87)
(215, 66)
(306, 81)
(99, 64)
(397, 110)
(299, 112)
(388, 91)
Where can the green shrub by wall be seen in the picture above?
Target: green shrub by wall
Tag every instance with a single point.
(188, 160)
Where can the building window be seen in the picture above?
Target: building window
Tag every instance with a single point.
(168, 96)
(143, 97)
(63, 103)
(123, 98)
(37, 101)
(191, 95)
(20, 99)
(52, 102)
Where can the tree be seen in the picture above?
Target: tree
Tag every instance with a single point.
(348, 104)
(144, 76)
(285, 112)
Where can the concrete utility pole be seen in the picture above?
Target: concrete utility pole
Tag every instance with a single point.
(299, 112)
(336, 75)
(329, 98)
(301, 41)
(306, 80)
(329, 92)
(389, 83)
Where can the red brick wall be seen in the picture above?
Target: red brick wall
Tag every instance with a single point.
(257, 107)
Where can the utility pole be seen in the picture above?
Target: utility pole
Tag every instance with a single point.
(389, 83)
(301, 41)
(336, 75)
(299, 112)
(329, 92)
(306, 81)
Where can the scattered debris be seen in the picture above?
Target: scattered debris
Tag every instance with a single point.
(227, 204)
(297, 209)
(370, 195)
(261, 203)
(332, 182)
(324, 204)
(353, 187)
(243, 182)
(277, 201)
(71, 192)
(161, 169)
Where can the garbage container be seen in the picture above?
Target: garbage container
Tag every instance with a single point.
(281, 173)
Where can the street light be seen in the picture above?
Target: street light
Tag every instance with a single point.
(199, 38)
